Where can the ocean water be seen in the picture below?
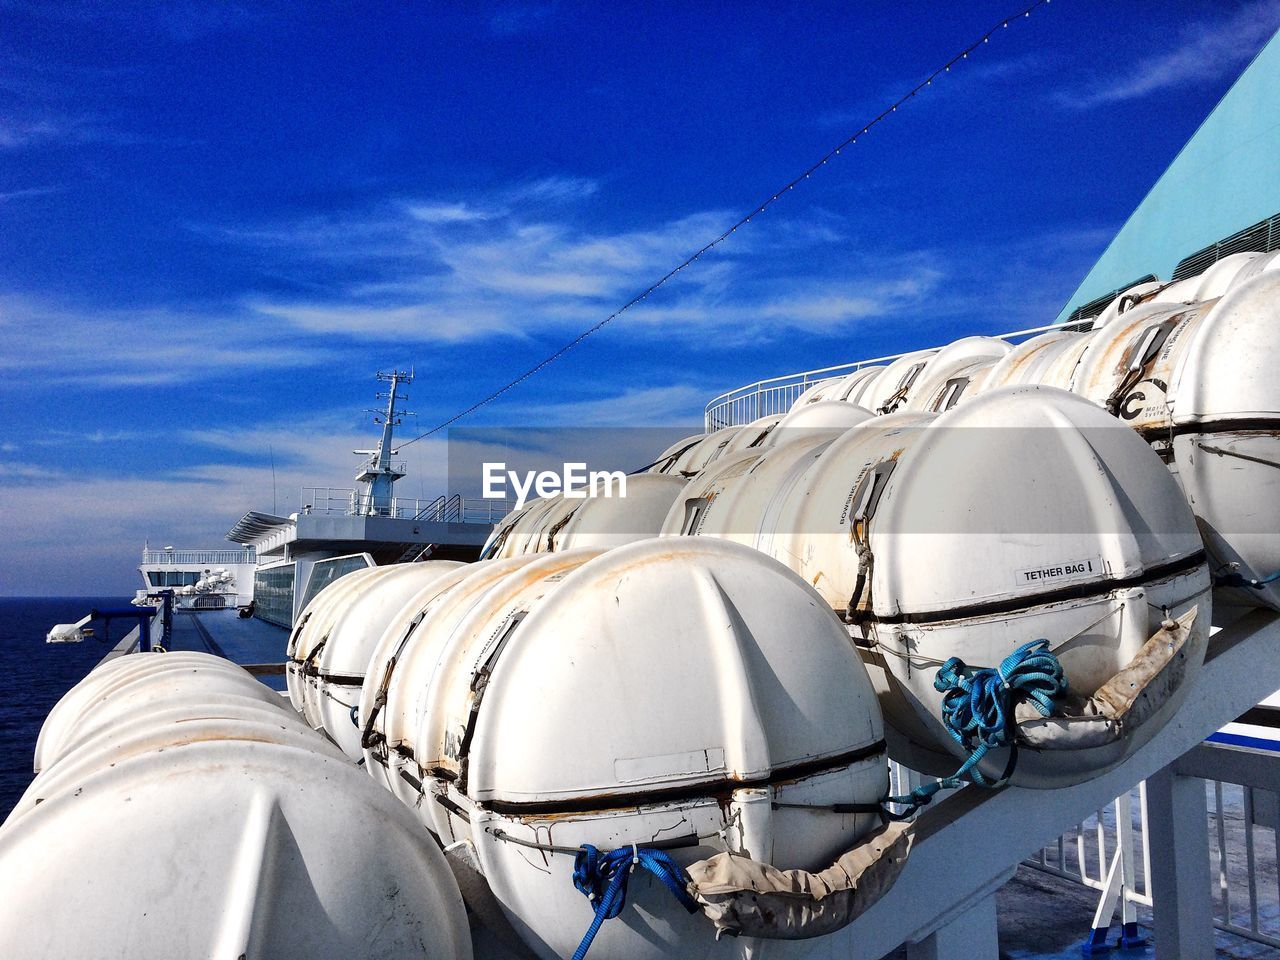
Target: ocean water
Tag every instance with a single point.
(37, 674)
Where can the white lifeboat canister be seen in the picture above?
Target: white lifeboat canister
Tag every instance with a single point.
(732, 502)
(853, 384)
(295, 854)
(822, 390)
(1126, 300)
(312, 625)
(826, 418)
(112, 695)
(667, 459)
(754, 434)
(607, 517)
(808, 527)
(1064, 366)
(1131, 363)
(1226, 429)
(1027, 514)
(693, 460)
(528, 533)
(1031, 359)
(336, 675)
(502, 530)
(949, 373)
(445, 706)
(402, 657)
(404, 741)
(860, 383)
(687, 693)
(892, 388)
(1215, 280)
(227, 718)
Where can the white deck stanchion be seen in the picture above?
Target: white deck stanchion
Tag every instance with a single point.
(1180, 885)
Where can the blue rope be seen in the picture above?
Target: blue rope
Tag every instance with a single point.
(602, 878)
(977, 710)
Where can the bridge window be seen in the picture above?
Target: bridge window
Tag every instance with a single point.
(173, 578)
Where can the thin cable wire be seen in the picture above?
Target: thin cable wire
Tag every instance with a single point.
(741, 222)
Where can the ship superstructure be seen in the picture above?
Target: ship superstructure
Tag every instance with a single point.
(199, 579)
(339, 530)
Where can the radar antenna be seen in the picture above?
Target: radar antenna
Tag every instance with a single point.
(380, 473)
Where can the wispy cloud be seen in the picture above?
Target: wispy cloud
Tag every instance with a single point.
(69, 344)
(178, 20)
(27, 193)
(532, 259)
(57, 129)
(1205, 50)
(446, 212)
(513, 19)
(646, 406)
(107, 514)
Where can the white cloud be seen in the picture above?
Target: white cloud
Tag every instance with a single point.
(678, 403)
(514, 19)
(516, 263)
(1205, 50)
(27, 193)
(555, 189)
(69, 344)
(446, 212)
(107, 517)
(447, 323)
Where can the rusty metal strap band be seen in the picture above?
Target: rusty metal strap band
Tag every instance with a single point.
(341, 679)
(672, 843)
(1097, 588)
(689, 792)
(1220, 425)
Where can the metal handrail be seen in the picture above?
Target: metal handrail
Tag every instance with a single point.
(150, 556)
(344, 501)
(434, 507)
(771, 394)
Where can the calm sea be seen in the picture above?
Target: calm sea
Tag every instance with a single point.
(37, 674)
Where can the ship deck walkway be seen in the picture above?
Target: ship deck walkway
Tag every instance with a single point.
(251, 642)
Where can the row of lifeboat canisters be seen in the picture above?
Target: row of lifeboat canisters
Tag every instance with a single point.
(330, 645)
(158, 761)
(1025, 513)
(603, 516)
(1189, 365)
(688, 693)
(600, 517)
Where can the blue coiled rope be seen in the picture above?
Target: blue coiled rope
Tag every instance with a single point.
(602, 878)
(977, 710)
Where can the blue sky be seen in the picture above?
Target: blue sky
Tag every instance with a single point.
(217, 221)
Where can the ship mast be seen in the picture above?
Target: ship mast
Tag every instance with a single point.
(379, 473)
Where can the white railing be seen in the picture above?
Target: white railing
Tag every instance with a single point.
(766, 398)
(343, 501)
(399, 467)
(1111, 853)
(482, 510)
(221, 557)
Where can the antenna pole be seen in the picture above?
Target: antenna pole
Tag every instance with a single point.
(380, 473)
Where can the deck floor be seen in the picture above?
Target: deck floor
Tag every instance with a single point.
(223, 633)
